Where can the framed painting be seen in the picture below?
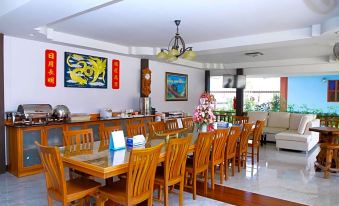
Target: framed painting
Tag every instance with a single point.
(85, 71)
(176, 88)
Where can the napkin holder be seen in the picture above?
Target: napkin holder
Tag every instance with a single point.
(117, 140)
(136, 140)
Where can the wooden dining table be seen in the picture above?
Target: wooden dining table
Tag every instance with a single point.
(97, 160)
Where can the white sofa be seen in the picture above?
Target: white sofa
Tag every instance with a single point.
(289, 130)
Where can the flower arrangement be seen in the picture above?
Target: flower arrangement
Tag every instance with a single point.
(203, 114)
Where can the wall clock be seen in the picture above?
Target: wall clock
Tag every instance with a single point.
(146, 82)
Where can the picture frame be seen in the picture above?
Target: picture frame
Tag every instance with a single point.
(85, 71)
(176, 87)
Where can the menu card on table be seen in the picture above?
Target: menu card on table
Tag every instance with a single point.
(117, 140)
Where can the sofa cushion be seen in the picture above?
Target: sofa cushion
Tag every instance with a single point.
(303, 122)
(274, 130)
(279, 119)
(295, 121)
(254, 116)
(292, 135)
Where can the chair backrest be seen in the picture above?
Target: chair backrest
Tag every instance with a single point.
(74, 137)
(176, 156)
(135, 120)
(202, 150)
(239, 120)
(219, 144)
(53, 169)
(156, 128)
(188, 123)
(231, 143)
(141, 173)
(245, 133)
(172, 124)
(136, 129)
(259, 126)
(106, 132)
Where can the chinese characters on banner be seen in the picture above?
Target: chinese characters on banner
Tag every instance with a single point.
(115, 74)
(50, 68)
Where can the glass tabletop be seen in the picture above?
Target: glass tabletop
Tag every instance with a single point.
(98, 154)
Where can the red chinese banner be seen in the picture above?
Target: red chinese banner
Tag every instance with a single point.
(50, 68)
(115, 74)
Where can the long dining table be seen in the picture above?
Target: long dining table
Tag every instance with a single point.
(96, 159)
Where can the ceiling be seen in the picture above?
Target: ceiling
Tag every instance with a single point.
(302, 31)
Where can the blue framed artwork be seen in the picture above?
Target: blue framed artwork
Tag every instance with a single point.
(85, 71)
(176, 87)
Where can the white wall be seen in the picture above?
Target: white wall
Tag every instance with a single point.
(24, 81)
(196, 85)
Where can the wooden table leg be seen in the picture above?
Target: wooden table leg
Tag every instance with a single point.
(329, 155)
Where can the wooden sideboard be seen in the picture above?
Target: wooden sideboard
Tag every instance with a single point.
(23, 155)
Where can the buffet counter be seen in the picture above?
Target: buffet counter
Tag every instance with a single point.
(23, 155)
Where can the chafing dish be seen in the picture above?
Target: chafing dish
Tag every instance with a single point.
(34, 113)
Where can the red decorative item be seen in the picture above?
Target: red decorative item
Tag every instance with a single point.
(234, 103)
(50, 68)
(115, 74)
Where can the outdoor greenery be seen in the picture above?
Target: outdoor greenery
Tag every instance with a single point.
(332, 110)
(274, 106)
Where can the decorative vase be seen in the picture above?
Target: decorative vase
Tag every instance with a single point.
(203, 128)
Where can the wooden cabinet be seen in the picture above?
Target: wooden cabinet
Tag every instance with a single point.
(54, 135)
(24, 157)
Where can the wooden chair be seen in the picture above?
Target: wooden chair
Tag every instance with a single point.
(106, 132)
(231, 149)
(188, 123)
(173, 171)
(172, 124)
(75, 137)
(57, 187)
(243, 145)
(200, 160)
(218, 153)
(136, 129)
(156, 129)
(139, 183)
(135, 120)
(239, 120)
(255, 142)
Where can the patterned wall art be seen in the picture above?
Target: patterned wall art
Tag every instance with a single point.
(85, 71)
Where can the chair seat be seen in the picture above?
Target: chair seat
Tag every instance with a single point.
(80, 187)
(159, 175)
(116, 191)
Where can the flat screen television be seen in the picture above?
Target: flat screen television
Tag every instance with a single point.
(234, 81)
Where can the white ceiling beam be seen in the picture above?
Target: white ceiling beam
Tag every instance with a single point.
(313, 69)
(296, 34)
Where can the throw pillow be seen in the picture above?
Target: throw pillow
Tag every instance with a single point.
(303, 122)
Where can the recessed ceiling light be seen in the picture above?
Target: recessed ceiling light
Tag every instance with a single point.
(254, 54)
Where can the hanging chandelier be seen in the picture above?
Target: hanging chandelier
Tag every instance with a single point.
(176, 48)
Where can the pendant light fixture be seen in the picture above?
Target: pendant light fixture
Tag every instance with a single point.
(176, 48)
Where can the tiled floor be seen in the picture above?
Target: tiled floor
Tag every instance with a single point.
(288, 175)
(30, 191)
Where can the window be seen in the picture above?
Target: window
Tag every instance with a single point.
(260, 94)
(333, 91)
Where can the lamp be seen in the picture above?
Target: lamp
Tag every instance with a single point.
(176, 48)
